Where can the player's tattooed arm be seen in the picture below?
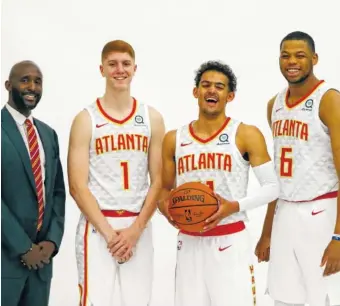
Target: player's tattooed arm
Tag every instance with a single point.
(168, 173)
(330, 115)
(78, 172)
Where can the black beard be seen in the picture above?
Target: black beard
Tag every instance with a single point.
(20, 102)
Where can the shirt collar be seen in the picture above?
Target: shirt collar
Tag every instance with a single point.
(18, 117)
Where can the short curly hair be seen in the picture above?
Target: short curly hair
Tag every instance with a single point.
(220, 67)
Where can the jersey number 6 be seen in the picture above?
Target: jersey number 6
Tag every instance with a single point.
(286, 162)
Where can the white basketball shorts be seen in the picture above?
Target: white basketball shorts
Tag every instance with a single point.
(98, 270)
(300, 235)
(215, 270)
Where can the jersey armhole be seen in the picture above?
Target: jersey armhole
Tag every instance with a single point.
(147, 118)
(88, 109)
(177, 140)
(277, 99)
(323, 126)
(177, 148)
(240, 157)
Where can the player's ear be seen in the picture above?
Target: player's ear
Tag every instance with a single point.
(315, 59)
(101, 70)
(195, 92)
(8, 85)
(230, 96)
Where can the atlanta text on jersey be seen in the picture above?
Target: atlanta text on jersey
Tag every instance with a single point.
(191, 162)
(289, 127)
(122, 142)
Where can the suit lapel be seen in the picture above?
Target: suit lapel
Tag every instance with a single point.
(10, 127)
(45, 139)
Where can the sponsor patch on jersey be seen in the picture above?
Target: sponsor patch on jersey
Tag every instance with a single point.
(139, 120)
(308, 105)
(223, 139)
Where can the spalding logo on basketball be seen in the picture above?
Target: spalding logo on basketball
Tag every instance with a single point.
(191, 204)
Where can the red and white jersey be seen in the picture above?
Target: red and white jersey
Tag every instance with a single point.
(118, 174)
(302, 147)
(216, 162)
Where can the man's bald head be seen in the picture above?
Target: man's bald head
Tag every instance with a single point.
(18, 67)
(24, 85)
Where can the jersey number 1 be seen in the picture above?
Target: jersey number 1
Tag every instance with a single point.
(286, 162)
(125, 169)
(210, 185)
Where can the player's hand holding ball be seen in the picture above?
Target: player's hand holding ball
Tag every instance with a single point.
(226, 208)
(194, 207)
(163, 207)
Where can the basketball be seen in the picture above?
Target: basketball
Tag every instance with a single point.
(191, 204)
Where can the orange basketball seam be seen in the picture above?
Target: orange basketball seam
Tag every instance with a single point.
(204, 204)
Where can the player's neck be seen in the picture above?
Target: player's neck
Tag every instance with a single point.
(117, 100)
(297, 91)
(209, 126)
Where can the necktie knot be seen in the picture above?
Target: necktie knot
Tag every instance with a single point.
(28, 123)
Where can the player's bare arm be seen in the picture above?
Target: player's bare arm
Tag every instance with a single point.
(249, 139)
(168, 173)
(130, 236)
(262, 250)
(330, 116)
(270, 106)
(155, 168)
(78, 172)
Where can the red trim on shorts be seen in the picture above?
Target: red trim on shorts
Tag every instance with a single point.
(107, 116)
(85, 289)
(119, 213)
(296, 103)
(221, 230)
(329, 195)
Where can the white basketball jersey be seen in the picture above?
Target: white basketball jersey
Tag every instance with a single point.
(302, 147)
(216, 162)
(118, 176)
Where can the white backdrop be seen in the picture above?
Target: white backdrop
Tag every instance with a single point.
(171, 39)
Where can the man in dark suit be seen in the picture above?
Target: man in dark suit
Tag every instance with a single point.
(32, 193)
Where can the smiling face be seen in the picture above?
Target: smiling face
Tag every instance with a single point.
(24, 87)
(297, 61)
(213, 93)
(118, 68)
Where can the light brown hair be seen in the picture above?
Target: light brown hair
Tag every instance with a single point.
(117, 46)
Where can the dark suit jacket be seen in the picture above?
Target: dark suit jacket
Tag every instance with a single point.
(19, 208)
